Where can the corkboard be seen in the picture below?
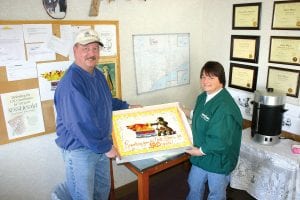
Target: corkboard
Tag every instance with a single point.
(47, 106)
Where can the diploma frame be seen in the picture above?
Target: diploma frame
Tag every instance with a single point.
(249, 20)
(250, 73)
(286, 21)
(287, 56)
(291, 87)
(250, 51)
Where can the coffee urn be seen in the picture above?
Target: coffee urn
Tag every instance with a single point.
(268, 109)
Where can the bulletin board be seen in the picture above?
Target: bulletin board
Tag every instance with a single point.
(109, 60)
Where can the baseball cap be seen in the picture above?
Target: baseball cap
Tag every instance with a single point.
(87, 36)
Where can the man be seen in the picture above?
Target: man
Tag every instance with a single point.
(84, 107)
(217, 129)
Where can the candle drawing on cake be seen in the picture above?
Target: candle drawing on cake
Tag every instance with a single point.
(147, 130)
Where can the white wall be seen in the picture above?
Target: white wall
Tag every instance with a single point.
(217, 26)
(29, 169)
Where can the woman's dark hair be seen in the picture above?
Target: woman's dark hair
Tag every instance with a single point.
(213, 68)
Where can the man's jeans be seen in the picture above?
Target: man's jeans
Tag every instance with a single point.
(217, 184)
(87, 173)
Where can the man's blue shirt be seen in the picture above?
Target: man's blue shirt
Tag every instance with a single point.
(84, 106)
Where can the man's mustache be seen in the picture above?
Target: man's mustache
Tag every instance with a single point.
(93, 58)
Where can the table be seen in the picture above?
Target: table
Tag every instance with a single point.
(267, 172)
(145, 168)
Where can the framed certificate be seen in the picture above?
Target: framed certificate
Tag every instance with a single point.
(284, 50)
(243, 77)
(286, 15)
(246, 16)
(244, 48)
(284, 80)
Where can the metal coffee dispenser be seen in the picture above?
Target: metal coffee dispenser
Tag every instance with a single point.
(268, 109)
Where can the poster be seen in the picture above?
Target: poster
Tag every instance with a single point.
(161, 61)
(49, 75)
(111, 73)
(150, 131)
(22, 113)
(108, 36)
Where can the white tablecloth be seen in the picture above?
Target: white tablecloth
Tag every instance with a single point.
(267, 172)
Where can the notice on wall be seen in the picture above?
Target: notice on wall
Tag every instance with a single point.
(21, 70)
(11, 44)
(22, 113)
(108, 37)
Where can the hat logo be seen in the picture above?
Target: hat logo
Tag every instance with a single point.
(86, 34)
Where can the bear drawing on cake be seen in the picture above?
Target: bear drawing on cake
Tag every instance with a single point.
(163, 128)
(146, 130)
